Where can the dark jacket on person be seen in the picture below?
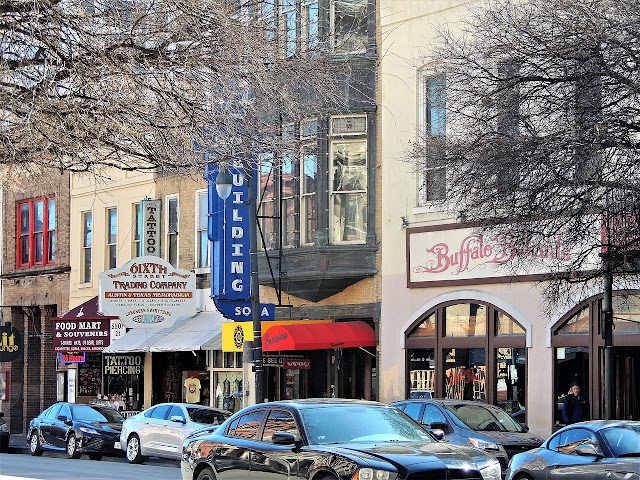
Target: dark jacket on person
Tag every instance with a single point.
(575, 409)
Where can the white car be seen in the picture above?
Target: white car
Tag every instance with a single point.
(160, 430)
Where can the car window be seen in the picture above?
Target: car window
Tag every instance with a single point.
(176, 411)
(52, 412)
(400, 406)
(553, 442)
(279, 421)
(570, 439)
(248, 425)
(623, 440)
(360, 423)
(413, 410)
(64, 411)
(149, 412)
(91, 413)
(160, 412)
(484, 418)
(432, 414)
(206, 416)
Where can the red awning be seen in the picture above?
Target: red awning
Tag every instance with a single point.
(318, 336)
(87, 310)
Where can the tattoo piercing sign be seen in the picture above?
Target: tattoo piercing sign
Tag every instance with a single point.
(147, 292)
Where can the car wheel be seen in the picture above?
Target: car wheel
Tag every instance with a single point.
(34, 444)
(95, 456)
(206, 474)
(523, 476)
(4, 446)
(72, 446)
(133, 450)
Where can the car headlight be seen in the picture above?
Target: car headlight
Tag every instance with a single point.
(373, 474)
(4, 428)
(88, 430)
(483, 444)
(491, 472)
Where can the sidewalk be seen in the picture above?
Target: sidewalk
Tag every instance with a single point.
(18, 444)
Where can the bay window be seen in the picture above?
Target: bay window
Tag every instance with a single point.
(308, 195)
(349, 25)
(266, 199)
(172, 231)
(289, 197)
(36, 236)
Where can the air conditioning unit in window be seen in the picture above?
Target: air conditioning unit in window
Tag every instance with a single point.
(354, 125)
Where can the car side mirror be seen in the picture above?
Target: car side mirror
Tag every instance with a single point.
(444, 427)
(587, 450)
(284, 438)
(64, 419)
(178, 419)
(439, 434)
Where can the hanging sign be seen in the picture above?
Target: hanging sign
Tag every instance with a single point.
(151, 210)
(147, 292)
(10, 343)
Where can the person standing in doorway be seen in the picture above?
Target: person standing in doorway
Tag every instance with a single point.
(575, 407)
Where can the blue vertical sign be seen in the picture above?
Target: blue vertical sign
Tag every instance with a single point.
(229, 232)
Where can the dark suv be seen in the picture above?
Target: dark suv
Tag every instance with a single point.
(465, 422)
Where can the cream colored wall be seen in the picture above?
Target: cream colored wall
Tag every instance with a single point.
(407, 28)
(112, 188)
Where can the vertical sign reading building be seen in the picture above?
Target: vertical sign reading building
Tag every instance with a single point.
(151, 227)
(229, 232)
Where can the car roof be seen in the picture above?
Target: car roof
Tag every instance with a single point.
(445, 401)
(303, 403)
(189, 405)
(596, 425)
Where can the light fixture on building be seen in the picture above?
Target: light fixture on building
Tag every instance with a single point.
(223, 183)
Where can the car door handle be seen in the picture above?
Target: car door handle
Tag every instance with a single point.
(218, 450)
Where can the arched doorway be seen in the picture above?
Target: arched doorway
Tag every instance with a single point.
(578, 355)
(467, 350)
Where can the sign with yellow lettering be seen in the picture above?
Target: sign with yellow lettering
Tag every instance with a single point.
(10, 343)
(235, 333)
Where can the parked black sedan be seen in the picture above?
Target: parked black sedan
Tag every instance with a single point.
(4, 434)
(327, 439)
(599, 449)
(76, 429)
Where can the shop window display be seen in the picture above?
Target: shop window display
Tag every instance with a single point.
(465, 373)
(229, 392)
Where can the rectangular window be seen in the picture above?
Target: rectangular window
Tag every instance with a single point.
(349, 25)
(310, 24)
(202, 247)
(433, 128)
(36, 238)
(289, 25)
(172, 231)
(268, 14)
(137, 229)
(348, 191)
(266, 202)
(309, 195)
(87, 227)
(112, 237)
(289, 194)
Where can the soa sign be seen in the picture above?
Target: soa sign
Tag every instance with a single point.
(241, 311)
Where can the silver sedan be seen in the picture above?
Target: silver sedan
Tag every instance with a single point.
(160, 430)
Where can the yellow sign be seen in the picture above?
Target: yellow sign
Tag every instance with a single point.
(235, 333)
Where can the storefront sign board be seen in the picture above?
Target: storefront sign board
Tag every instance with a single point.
(242, 310)
(81, 335)
(296, 363)
(10, 343)
(235, 333)
(458, 255)
(71, 357)
(147, 292)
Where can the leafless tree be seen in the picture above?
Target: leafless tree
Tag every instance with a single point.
(542, 146)
(142, 84)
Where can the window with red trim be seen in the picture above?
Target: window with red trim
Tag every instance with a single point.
(36, 239)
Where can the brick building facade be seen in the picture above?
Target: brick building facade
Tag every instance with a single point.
(35, 285)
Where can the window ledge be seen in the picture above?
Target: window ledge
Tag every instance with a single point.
(203, 270)
(430, 207)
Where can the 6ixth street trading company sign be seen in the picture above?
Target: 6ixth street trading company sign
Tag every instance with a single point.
(147, 292)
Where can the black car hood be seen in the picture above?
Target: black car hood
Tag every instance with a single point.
(511, 438)
(401, 454)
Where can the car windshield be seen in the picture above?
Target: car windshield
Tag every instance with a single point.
(483, 418)
(623, 440)
(206, 416)
(90, 413)
(360, 423)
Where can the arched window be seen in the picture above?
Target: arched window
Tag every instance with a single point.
(467, 350)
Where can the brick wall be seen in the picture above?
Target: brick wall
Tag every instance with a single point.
(31, 297)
